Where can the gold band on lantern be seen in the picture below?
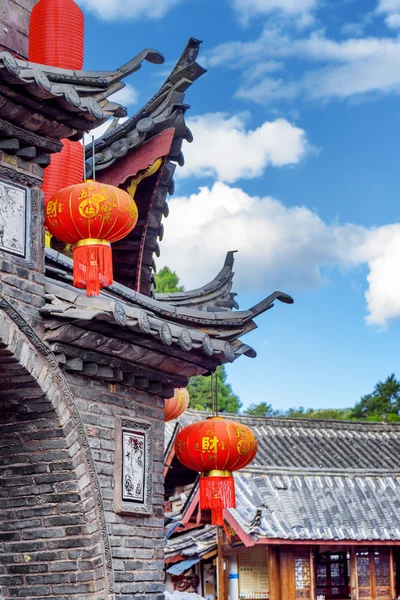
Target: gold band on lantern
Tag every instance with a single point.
(91, 242)
(216, 473)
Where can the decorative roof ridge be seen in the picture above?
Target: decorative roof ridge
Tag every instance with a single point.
(120, 130)
(164, 110)
(307, 423)
(318, 471)
(218, 290)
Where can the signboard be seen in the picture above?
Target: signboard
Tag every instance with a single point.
(253, 575)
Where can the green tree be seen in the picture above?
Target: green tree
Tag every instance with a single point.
(260, 410)
(383, 401)
(201, 395)
(200, 387)
(167, 281)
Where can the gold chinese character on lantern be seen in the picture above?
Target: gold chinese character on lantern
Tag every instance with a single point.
(209, 444)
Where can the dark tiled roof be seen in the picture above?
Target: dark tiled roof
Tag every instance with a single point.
(59, 103)
(318, 507)
(195, 542)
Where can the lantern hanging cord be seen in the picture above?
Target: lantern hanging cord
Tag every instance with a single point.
(84, 160)
(212, 395)
(216, 392)
(93, 160)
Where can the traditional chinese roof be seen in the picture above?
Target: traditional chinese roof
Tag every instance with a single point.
(316, 480)
(40, 105)
(194, 543)
(156, 131)
(175, 342)
(216, 295)
(165, 110)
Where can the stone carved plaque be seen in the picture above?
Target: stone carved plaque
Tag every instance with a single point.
(133, 467)
(13, 218)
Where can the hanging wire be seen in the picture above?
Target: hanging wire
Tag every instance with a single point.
(216, 392)
(212, 395)
(84, 160)
(93, 161)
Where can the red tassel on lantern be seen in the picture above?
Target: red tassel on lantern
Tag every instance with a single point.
(217, 492)
(91, 215)
(56, 38)
(216, 447)
(93, 267)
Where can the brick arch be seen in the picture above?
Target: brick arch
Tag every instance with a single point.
(53, 536)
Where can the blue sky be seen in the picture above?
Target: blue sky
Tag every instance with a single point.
(295, 164)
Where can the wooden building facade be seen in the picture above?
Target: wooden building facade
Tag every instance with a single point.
(317, 516)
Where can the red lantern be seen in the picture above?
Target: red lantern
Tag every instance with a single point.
(176, 406)
(66, 168)
(91, 215)
(56, 34)
(216, 447)
(56, 38)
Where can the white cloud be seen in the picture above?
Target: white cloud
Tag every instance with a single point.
(287, 247)
(227, 150)
(330, 68)
(252, 8)
(127, 96)
(392, 10)
(111, 10)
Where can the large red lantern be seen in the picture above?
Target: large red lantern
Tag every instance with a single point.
(176, 406)
(216, 447)
(91, 215)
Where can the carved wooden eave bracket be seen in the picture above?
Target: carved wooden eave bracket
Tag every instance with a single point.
(127, 331)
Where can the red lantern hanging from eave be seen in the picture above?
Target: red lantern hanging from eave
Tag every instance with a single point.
(176, 406)
(56, 38)
(216, 447)
(57, 34)
(91, 215)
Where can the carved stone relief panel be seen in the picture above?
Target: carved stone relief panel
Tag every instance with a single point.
(14, 213)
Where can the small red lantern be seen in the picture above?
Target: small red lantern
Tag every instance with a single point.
(216, 447)
(91, 215)
(176, 406)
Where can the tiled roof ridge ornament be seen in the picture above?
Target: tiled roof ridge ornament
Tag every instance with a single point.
(165, 109)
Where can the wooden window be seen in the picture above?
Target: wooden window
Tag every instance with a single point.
(302, 574)
(374, 573)
(332, 575)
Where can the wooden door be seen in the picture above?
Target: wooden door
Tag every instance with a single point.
(374, 573)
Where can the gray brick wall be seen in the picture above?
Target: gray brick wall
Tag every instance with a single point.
(22, 279)
(14, 24)
(137, 545)
(46, 548)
